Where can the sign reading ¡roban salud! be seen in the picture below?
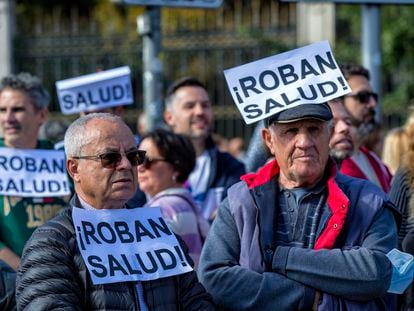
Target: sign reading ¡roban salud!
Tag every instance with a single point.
(308, 75)
(121, 245)
(100, 90)
(33, 173)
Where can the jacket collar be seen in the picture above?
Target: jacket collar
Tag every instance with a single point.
(337, 201)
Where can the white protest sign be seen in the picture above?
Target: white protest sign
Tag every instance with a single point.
(123, 245)
(308, 75)
(103, 89)
(33, 173)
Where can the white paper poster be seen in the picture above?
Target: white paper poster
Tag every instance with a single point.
(103, 89)
(123, 245)
(308, 75)
(33, 173)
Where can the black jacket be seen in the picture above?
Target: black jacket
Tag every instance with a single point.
(225, 170)
(53, 276)
(7, 287)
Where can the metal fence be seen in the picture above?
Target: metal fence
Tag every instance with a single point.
(59, 44)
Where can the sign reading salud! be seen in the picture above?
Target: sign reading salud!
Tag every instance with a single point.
(120, 245)
(100, 90)
(307, 75)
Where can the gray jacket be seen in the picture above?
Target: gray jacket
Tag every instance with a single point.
(243, 271)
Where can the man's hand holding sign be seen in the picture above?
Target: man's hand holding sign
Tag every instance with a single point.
(95, 254)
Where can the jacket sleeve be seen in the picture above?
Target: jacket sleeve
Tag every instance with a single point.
(192, 294)
(360, 273)
(7, 287)
(408, 242)
(237, 288)
(400, 195)
(45, 280)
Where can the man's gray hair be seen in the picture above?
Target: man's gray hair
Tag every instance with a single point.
(29, 84)
(76, 136)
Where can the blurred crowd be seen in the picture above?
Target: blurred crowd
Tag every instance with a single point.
(326, 197)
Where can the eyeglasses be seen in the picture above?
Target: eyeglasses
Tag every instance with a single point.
(364, 96)
(112, 159)
(148, 162)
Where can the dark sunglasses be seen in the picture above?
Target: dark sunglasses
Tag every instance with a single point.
(364, 96)
(148, 162)
(112, 159)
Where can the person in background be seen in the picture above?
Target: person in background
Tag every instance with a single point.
(188, 111)
(169, 160)
(236, 148)
(341, 143)
(23, 109)
(297, 235)
(257, 153)
(361, 104)
(402, 187)
(400, 143)
(362, 101)
(407, 298)
(395, 146)
(102, 159)
(141, 126)
(374, 141)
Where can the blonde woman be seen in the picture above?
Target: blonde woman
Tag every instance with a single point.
(395, 146)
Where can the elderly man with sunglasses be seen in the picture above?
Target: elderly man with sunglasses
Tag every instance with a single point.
(102, 159)
(361, 104)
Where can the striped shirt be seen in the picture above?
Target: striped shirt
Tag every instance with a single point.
(298, 215)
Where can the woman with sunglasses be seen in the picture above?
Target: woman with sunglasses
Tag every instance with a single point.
(169, 160)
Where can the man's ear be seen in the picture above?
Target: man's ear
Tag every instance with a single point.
(268, 140)
(72, 168)
(43, 115)
(168, 117)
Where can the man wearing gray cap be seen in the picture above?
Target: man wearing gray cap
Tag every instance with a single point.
(297, 235)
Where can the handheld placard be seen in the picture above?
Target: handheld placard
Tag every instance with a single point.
(127, 245)
(307, 75)
(100, 90)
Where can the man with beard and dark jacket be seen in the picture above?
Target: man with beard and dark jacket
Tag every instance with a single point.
(188, 111)
(102, 159)
(361, 104)
(298, 235)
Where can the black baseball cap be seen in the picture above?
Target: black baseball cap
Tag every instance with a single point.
(305, 111)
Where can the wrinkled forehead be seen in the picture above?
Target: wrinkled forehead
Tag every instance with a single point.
(105, 135)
